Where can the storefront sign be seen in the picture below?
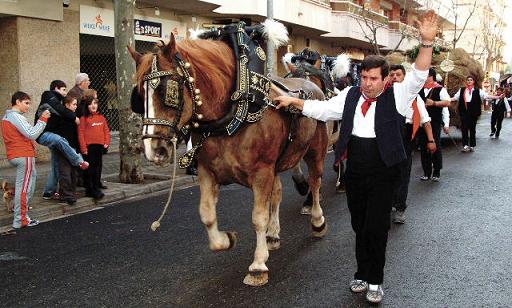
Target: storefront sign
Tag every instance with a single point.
(99, 21)
(147, 28)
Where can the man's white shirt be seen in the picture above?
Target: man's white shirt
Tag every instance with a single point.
(364, 126)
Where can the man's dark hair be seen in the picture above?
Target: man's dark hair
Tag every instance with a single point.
(374, 61)
(432, 73)
(499, 89)
(470, 76)
(21, 96)
(396, 67)
(57, 84)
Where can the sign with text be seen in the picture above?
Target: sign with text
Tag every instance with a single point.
(100, 21)
(147, 28)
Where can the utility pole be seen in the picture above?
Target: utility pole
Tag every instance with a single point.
(270, 46)
(130, 124)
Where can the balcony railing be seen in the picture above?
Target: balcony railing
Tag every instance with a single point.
(347, 6)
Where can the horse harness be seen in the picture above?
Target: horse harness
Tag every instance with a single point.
(250, 98)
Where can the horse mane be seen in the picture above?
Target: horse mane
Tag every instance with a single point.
(213, 64)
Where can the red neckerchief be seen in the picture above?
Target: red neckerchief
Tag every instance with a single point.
(368, 101)
(467, 92)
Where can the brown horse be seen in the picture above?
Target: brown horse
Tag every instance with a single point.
(252, 157)
(310, 65)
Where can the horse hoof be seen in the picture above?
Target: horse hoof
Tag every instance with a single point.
(306, 210)
(273, 243)
(221, 246)
(232, 239)
(319, 231)
(301, 187)
(256, 278)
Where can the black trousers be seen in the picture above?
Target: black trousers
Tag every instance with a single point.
(468, 126)
(68, 175)
(496, 121)
(370, 188)
(431, 160)
(92, 176)
(402, 189)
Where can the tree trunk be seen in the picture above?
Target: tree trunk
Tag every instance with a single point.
(130, 124)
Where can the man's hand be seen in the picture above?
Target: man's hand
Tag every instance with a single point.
(429, 102)
(432, 148)
(77, 121)
(446, 130)
(285, 101)
(428, 27)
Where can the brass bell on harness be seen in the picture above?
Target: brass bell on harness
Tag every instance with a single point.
(196, 125)
(190, 79)
(187, 65)
(197, 91)
(199, 116)
(199, 103)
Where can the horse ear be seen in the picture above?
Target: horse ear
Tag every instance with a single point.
(135, 55)
(169, 50)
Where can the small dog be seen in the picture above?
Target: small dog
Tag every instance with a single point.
(8, 196)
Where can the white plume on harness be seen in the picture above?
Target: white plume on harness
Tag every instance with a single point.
(194, 34)
(341, 66)
(287, 59)
(275, 32)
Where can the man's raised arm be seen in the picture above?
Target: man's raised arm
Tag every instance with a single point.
(428, 30)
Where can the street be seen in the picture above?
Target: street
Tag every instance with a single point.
(453, 251)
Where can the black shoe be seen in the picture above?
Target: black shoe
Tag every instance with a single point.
(491, 134)
(102, 186)
(99, 195)
(71, 201)
(191, 170)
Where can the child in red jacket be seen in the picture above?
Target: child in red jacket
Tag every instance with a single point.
(94, 137)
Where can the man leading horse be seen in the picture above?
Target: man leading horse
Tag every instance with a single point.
(371, 140)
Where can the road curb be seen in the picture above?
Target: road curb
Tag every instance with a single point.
(47, 210)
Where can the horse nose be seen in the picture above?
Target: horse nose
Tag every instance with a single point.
(163, 155)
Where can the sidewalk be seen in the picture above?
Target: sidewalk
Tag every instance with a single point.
(156, 178)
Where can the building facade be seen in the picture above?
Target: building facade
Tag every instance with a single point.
(56, 39)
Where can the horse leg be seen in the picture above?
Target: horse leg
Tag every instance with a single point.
(315, 161)
(273, 239)
(262, 189)
(300, 183)
(219, 240)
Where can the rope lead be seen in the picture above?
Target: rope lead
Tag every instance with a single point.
(156, 224)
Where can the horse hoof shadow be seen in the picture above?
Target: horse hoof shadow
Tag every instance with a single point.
(256, 278)
(319, 232)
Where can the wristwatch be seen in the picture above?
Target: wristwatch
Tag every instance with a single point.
(431, 141)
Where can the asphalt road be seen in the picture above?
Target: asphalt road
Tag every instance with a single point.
(454, 250)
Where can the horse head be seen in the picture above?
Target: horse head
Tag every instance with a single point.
(321, 70)
(167, 97)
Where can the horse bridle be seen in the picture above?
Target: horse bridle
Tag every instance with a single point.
(173, 96)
